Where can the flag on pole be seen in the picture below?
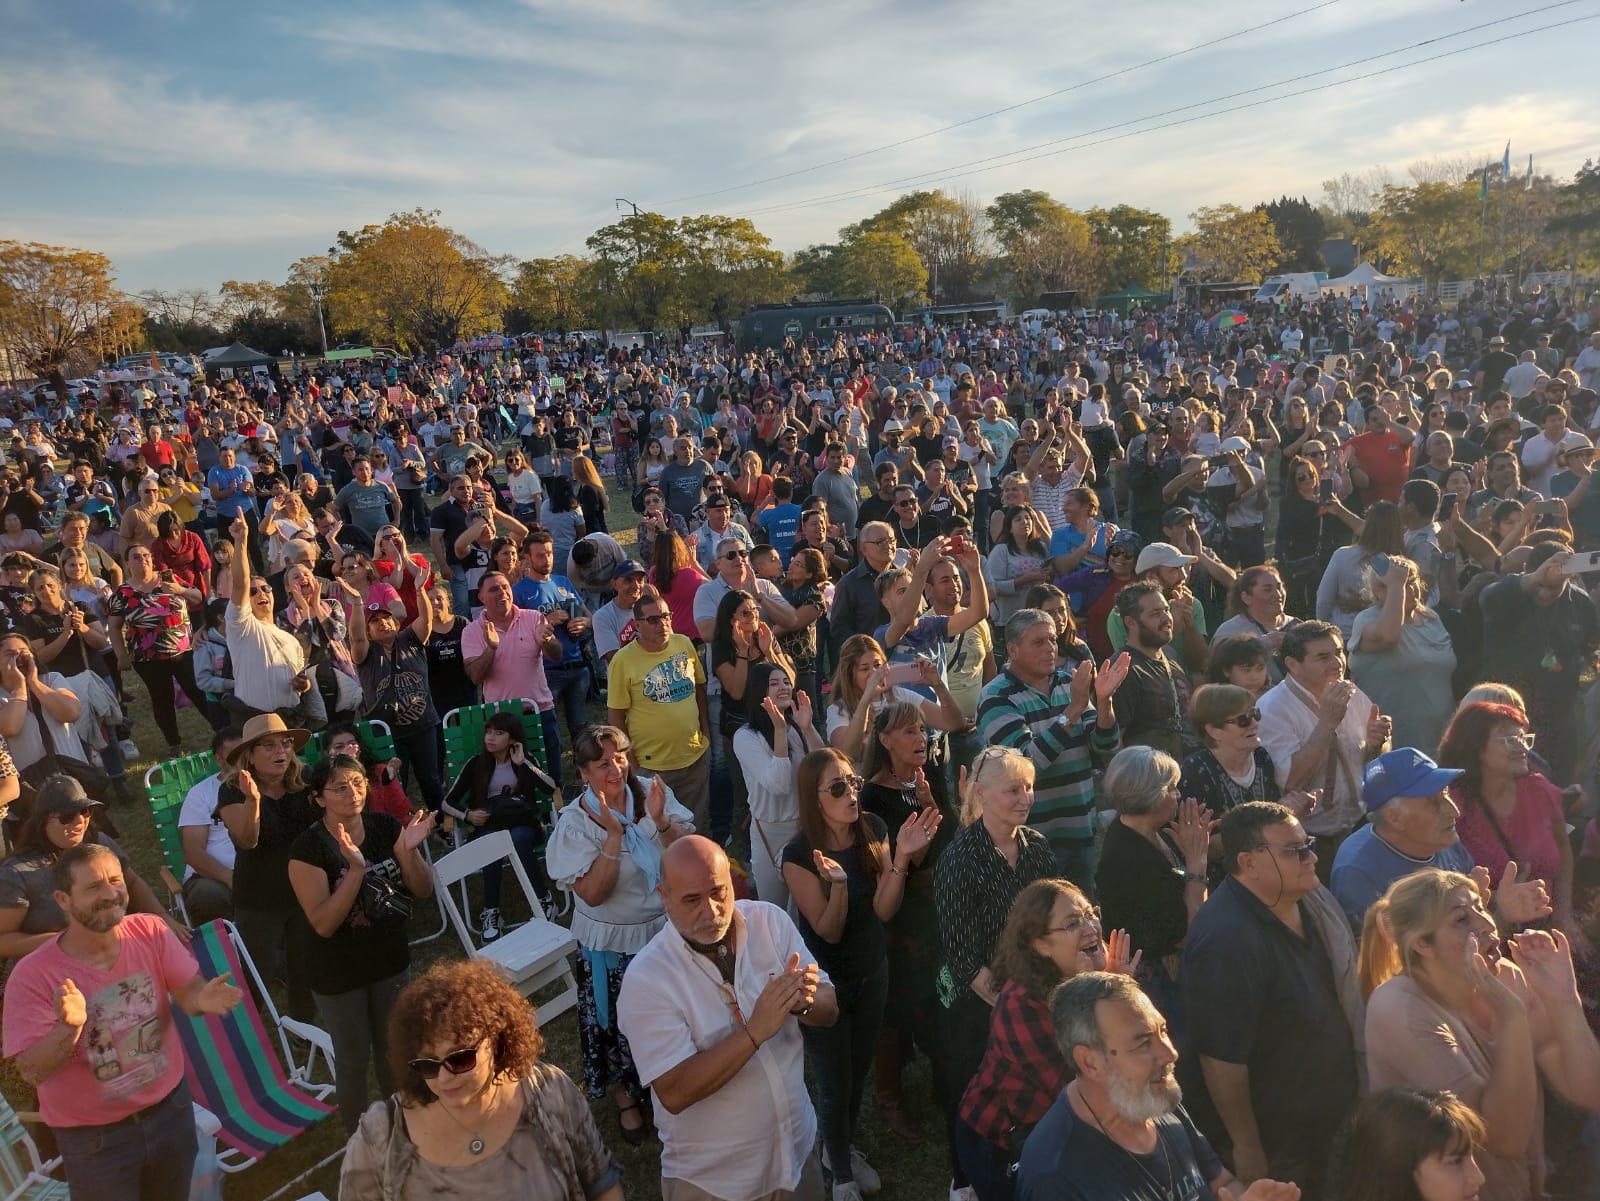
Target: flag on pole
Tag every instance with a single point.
(1527, 184)
(1505, 163)
(1483, 190)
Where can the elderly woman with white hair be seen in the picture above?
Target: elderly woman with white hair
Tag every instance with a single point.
(1151, 876)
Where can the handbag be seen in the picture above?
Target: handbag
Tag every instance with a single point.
(94, 779)
(380, 902)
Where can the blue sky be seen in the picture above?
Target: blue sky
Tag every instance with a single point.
(200, 140)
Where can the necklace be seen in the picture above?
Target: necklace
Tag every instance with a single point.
(1137, 1160)
(476, 1145)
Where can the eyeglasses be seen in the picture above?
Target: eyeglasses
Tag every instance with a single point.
(1077, 921)
(1303, 852)
(737, 554)
(881, 542)
(656, 619)
(1512, 741)
(1243, 720)
(456, 1063)
(844, 784)
(907, 503)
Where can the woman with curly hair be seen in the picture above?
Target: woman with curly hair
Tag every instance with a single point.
(476, 1114)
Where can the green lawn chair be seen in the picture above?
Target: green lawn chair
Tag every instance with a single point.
(377, 736)
(23, 1177)
(166, 784)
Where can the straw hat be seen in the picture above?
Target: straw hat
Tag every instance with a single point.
(265, 725)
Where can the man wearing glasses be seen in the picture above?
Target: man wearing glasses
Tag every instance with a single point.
(656, 692)
(1320, 729)
(856, 607)
(1270, 985)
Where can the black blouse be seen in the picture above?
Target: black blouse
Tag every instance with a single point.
(974, 888)
(261, 872)
(1141, 891)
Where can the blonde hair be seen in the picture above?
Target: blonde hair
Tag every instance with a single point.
(1413, 908)
(1010, 761)
(1493, 694)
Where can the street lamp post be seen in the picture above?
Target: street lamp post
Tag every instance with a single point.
(318, 290)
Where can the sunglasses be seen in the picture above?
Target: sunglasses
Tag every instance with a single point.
(1243, 720)
(1303, 852)
(737, 554)
(457, 1063)
(844, 784)
(656, 619)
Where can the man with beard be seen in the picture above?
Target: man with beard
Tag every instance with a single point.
(1273, 1000)
(1119, 1131)
(1153, 703)
(730, 1094)
(88, 1022)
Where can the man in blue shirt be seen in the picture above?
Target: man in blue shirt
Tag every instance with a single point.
(563, 607)
(233, 489)
(781, 520)
(1411, 825)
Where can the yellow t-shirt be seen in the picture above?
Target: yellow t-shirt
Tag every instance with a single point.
(658, 693)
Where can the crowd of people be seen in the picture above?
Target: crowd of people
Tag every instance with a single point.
(1181, 736)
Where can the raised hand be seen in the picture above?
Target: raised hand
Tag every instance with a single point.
(924, 792)
(1192, 827)
(491, 633)
(803, 711)
(916, 833)
(70, 1005)
(1519, 901)
(655, 801)
(878, 683)
(828, 869)
(1546, 961)
(218, 996)
(417, 830)
(1302, 800)
(1082, 683)
(1379, 727)
(1118, 957)
(246, 784)
(928, 673)
(1335, 700)
(1109, 678)
(239, 528)
(1271, 1190)
(352, 853)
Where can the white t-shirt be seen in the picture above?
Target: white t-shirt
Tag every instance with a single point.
(525, 487)
(199, 809)
(27, 747)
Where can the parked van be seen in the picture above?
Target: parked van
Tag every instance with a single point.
(1297, 285)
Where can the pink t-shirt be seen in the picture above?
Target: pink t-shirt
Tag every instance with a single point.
(518, 664)
(1530, 830)
(128, 1056)
(680, 600)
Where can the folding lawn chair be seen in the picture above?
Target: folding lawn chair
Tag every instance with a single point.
(232, 1068)
(23, 1176)
(166, 784)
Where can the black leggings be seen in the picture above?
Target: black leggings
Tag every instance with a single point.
(158, 675)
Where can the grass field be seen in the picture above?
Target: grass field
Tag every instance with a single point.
(909, 1172)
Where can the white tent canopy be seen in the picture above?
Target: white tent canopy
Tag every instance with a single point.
(1364, 277)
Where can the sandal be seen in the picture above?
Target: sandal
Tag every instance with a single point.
(634, 1136)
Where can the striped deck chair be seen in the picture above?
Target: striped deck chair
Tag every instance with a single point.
(22, 1176)
(233, 1070)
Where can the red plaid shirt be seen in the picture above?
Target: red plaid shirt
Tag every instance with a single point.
(1022, 1071)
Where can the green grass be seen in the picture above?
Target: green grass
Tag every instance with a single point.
(920, 1172)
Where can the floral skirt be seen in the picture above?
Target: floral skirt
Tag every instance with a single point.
(607, 1061)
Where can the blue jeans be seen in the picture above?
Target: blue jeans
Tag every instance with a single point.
(418, 750)
(460, 599)
(526, 839)
(151, 1159)
(552, 743)
(987, 1166)
(839, 1056)
(569, 685)
(413, 513)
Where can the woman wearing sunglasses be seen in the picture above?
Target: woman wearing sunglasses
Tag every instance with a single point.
(1510, 812)
(353, 873)
(846, 884)
(1233, 767)
(477, 1116)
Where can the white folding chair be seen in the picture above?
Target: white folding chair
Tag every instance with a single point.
(532, 955)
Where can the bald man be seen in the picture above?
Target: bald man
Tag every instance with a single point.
(712, 1009)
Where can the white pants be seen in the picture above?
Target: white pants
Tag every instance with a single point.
(767, 840)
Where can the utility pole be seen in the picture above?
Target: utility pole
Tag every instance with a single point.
(622, 200)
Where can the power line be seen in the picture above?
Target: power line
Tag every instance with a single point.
(997, 112)
(1011, 157)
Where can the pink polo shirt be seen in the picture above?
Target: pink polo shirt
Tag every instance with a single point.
(128, 1056)
(518, 672)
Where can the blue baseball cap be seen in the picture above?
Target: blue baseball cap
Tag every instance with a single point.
(626, 568)
(1404, 771)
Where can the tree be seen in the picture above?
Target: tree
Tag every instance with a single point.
(815, 271)
(183, 320)
(1428, 230)
(1300, 229)
(237, 301)
(731, 267)
(60, 306)
(551, 294)
(1576, 221)
(882, 266)
(1134, 246)
(948, 233)
(296, 301)
(1230, 243)
(1047, 247)
(639, 267)
(412, 283)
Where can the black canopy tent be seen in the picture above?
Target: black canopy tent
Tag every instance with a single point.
(239, 357)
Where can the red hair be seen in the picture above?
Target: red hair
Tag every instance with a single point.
(1469, 732)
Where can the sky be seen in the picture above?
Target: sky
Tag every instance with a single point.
(195, 141)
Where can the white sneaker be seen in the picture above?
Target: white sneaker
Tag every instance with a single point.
(489, 925)
(866, 1175)
(847, 1190)
(130, 749)
(964, 1193)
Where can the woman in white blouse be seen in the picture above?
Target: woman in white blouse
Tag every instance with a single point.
(779, 733)
(606, 848)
